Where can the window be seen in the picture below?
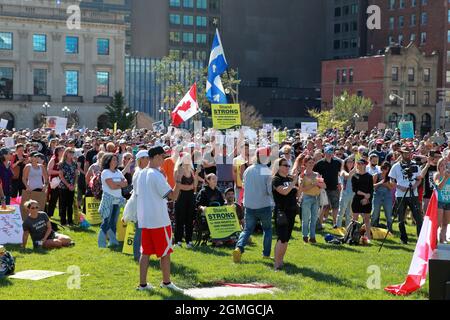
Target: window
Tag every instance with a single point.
(344, 76)
(346, 10)
(103, 47)
(102, 83)
(39, 43)
(201, 4)
(412, 38)
(337, 44)
(345, 44)
(423, 38)
(426, 74)
(201, 21)
(391, 4)
(39, 82)
(413, 98)
(426, 98)
(360, 93)
(188, 37)
(354, 25)
(350, 75)
(201, 38)
(337, 28)
(424, 2)
(354, 43)
(201, 55)
(448, 76)
(407, 97)
(400, 39)
(424, 18)
(413, 3)
(411, 72)
(174, 36)
(448, 16)
(174, 19)
(6, 83)
(188, 20)
(394, 73)
(448, 56)
(413, 20)
(188, 54)
(391, 23)
(402, 4)
(71, 83)
(395, 101)
(401, 21)
(72, 45)
(174, 53)
(174, 3)
(214, 4)
(337, 11)
(188, 3)
(354, 9)
(6, 41)
(345, 27)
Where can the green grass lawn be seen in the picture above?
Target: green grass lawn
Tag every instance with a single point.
(320, 271)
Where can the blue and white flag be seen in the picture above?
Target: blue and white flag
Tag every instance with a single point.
(217, 65)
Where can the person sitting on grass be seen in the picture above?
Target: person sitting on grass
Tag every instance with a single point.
(38, 226)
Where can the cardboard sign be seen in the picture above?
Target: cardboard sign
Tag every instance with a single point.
(35, 275)
(158, 126)
(9, 142)
(3, 123)
(226, 116)
(11, 231)
(222, 221)
(121, 227)
(309, 128)
(268, 127)
(92, 214)
(362, 126)
(279, 137)
(40, 197)
(406, 129)
(128, 243)
(58, 124)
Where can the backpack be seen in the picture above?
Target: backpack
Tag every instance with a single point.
(96, 186)
(353, 234)
(7, 265)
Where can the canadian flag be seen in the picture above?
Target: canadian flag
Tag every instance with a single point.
(427, 243)
(187, 108)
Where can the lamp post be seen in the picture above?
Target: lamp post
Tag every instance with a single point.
(46, 106)
(66, 111)
(394, 96)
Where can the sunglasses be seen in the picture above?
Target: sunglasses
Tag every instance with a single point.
(34, 208)
(285, 165)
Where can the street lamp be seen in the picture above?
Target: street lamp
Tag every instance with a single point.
(46, 106)
(66, 110)
(394, 96)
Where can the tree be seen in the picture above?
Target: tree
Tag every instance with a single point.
(348, 107)
(250, 117)
(326, 120)
(118, 112)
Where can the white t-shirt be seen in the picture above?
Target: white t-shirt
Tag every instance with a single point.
(116, 176)
(373, 171)
(153, 190)
(397, 174)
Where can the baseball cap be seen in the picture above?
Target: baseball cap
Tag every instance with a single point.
(329, 149)
(379, 141)
(362, 161)
(155, 151)
(141, 154)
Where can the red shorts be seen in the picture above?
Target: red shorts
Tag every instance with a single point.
(157, 241)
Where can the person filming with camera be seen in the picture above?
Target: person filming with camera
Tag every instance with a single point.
(406, 177)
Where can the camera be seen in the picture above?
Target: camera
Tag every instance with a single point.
(409, 170)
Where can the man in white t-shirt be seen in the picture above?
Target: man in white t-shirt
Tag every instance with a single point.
(373, 167)
(153, 218)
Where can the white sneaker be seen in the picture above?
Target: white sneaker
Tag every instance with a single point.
(148, 287)
(171, 286)
(189, 245)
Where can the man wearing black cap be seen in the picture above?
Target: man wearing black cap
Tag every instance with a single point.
(402, 181)
(153, 217)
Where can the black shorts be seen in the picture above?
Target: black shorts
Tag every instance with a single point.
(284, 232)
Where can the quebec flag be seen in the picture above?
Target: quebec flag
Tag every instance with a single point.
(217, 65)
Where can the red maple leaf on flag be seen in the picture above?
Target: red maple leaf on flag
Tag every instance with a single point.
(185, 106)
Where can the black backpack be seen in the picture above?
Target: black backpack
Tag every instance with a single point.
(353, 233)
(7, 265)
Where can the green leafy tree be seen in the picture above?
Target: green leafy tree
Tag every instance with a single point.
(348, 107)
(118, 112)
(250, 117)
(326, 120)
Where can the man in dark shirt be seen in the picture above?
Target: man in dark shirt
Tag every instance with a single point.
(378, 151)
(37, 138)
(329, 168)
(428, 171)
(92, 153)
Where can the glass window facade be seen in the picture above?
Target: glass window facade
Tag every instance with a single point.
(6, 41)
(6, 82)
(102, 83)
(71, 83)
(103, 47)
(72, 45)
(39, 82)
(39, 43)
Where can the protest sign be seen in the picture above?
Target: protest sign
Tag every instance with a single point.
(11, 231)
(279, 136)
(309, 128)
(226, 116)
(222, 221)
(362, 126)
(128, 242)
(406, 129)
(268, 127)
(50, 122)
(35, 275)
(3, 123)
(121, 227)
(9, 142)
(58, 124)
(158, 126)
(92, 214)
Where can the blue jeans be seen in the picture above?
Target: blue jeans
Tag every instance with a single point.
(137, 243)
(310, 210)
(111, 222)
(382, 197)
(251, 218)
(345, 205)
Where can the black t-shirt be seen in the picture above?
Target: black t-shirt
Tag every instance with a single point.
(330, 172)
(42, 148)
(90, 156)
(428, 182)
(283, 202)
(37, 227)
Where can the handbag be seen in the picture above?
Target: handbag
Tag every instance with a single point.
(54, 183)
(282, 219)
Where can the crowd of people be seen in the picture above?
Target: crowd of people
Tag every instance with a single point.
(168, 180)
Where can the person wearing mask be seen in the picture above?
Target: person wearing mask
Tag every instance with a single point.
(184, 205)
(347, 194)
(401, 182)
(156, 226)
(18, 163)
(442, 182)
(329, 168)
(38, 226)
(6, 173)
(285, 194)
(53, 172)
(382, 196)
(258, 203)
(67, 174)
(362, 184)
(427, 174)
(112, 183)
(35, 177)
(311, 184)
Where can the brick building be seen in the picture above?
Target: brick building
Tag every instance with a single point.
(404, 71)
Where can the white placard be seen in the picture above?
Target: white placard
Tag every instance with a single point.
(11, 227)
(309, 128)
(9, 142)
(158, 126)
(35, 275)
(3, 123)
(268, 127)
(61, 125)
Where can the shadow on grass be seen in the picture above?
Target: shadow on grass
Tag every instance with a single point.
(397, 247)
(17, 248)
(166, 294)
(80, 230)
(342, 247)
(213, 250)
(178, 269)
(5, 282)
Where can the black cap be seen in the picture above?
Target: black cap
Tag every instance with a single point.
(154, 151)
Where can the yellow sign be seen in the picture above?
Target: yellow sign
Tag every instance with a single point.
(279, 136)
(92, 214)
(115, 127)
(222, 221)
(121, 227)
(129, 239)
(226, 116)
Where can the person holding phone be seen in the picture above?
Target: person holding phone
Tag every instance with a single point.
(442, 182)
